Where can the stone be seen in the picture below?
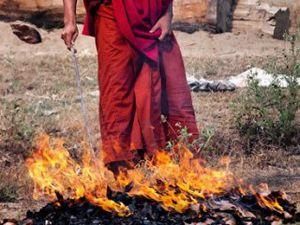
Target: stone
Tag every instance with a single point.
(26, 33)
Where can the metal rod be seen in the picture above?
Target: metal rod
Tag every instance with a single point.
(83, 105)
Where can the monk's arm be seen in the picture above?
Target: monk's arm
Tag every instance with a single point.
(70, 11)
(70, 31)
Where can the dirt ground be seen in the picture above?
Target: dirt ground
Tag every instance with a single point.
(38, 94)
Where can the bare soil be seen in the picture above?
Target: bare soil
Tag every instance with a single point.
(38, 94)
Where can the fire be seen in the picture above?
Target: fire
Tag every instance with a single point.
(175, 179)
(265, 201)
(53, 170)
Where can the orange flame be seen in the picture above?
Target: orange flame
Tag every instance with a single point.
(264, 200)
(53, 170)
(175, 179)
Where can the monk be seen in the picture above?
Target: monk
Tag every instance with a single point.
(143, 87)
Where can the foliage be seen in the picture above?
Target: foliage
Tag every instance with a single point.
(268, 114)
(203, 143)
(8, 193)
(8, 190)
(16, 125)
(207, 134)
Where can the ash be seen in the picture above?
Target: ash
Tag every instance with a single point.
(228, 209)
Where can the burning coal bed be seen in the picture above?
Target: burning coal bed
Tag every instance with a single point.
(171, 188)
(231, 208)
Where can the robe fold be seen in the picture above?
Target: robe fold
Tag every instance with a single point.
(140, 78)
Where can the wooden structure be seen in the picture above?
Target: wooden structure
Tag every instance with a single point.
(218, 15)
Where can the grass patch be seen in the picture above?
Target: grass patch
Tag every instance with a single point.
(8, 188)
(8, 193)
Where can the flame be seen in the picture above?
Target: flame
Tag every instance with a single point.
(265, 200)
(53, 170)
(175, 179)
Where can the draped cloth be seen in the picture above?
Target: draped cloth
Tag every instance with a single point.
(140, 79)
(135, 19)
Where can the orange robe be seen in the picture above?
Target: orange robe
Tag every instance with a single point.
(136, 91)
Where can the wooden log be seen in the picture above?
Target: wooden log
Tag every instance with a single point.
(46, 14)
(252, 15)
(51, 11)
(224, 15)
(215, 15)
(282, 18)
(190, 11)
(189, 15)
(211, 15)
(193, 15)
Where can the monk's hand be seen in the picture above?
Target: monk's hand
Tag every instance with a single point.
(164, 24)
(70, 34)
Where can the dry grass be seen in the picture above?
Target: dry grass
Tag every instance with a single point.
(39, 95)
(220, 68)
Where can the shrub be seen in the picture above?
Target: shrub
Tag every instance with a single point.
(268, 114)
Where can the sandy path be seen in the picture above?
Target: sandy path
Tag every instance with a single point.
(198, 45)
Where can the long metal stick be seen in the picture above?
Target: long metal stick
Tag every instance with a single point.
(82, 102)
